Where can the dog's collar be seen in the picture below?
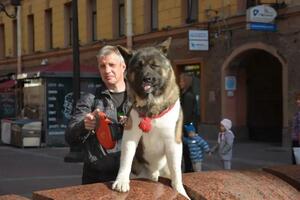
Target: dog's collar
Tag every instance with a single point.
(145, 124)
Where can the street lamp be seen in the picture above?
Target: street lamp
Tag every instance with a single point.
(15, 3)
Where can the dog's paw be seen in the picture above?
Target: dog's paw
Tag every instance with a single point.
(121, 185)
(180, 189)
(154, 176)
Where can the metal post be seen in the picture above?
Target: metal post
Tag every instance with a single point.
(76, 60)
(75, 154)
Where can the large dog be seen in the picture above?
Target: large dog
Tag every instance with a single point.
(155, 121)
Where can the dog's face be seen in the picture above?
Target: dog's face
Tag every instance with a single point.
(149, 70)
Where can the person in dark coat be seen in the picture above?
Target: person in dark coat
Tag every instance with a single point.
(101, 164)
(296, 128)
(188, 105)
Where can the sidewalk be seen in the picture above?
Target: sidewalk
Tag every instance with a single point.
(23, 171)
(251, 155)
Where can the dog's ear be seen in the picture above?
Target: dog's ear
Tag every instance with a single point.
(164, 46)
(126, 53)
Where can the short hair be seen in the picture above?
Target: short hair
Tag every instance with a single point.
(109, 49)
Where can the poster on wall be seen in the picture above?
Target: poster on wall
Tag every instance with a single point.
(7, 102)
(60, 102)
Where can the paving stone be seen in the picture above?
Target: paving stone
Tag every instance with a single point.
(140, 189)
(288, 173)
(234, 185)
(12, 197)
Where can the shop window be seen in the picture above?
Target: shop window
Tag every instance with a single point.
(48, 29)
(68, 24)
(30, 25)
(2, 41)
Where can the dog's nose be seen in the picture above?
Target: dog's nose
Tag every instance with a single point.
(147, 79)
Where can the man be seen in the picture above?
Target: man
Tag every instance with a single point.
(188, 105)
(100, 164)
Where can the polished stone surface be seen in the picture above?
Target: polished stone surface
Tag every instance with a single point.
(12, 197)
(140, 189)
(234, 185)
(288, 173)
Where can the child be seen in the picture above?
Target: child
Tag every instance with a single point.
(196, 146)
(225, 143)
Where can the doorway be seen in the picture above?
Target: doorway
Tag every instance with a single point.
(264, 97)
(257, 106)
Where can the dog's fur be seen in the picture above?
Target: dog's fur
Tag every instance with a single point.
(152, 88)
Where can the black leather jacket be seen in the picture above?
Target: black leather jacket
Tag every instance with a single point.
(94, 155)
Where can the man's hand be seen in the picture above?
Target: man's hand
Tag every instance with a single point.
(126, 122)
(90, 120)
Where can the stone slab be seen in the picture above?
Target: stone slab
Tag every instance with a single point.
(288, 173)
(12, 197)
(234, 185)
(140, 189)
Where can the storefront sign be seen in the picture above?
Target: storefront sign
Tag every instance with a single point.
(60, 102)
(262, 13)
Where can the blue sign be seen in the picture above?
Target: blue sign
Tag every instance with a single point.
(257, 26)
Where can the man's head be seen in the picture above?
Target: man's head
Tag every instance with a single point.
(185, 81)
(111, 66)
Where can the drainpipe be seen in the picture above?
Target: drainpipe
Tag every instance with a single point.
(19, 91)
(19, 41)
(129, 23)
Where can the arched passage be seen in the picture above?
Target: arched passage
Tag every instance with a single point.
(258, 106)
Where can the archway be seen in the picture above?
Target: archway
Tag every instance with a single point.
(258, 105)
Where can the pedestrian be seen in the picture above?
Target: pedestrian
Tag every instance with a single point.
(101, 164)
(296, 128)
(197, 146)
(225, 143)
(188, 105)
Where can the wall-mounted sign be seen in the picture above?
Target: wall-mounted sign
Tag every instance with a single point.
(262, 13)
(230, 83)
(198, 40)
(198, 45)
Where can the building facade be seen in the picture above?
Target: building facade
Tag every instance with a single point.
(249, 76)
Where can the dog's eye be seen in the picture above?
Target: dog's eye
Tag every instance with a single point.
(154, 65)
(141, 63)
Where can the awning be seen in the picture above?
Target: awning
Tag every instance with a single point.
(6, 85)
(60, 69)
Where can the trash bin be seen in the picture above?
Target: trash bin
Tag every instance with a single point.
(26, 133)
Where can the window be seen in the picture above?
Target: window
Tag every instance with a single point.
(121, 18)
(30, 22)
(68, 25)
(48, 29)
(251, 3)
(192, 11)
(154, 15)
(2, 41)
(15, 38)
(92, 20)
